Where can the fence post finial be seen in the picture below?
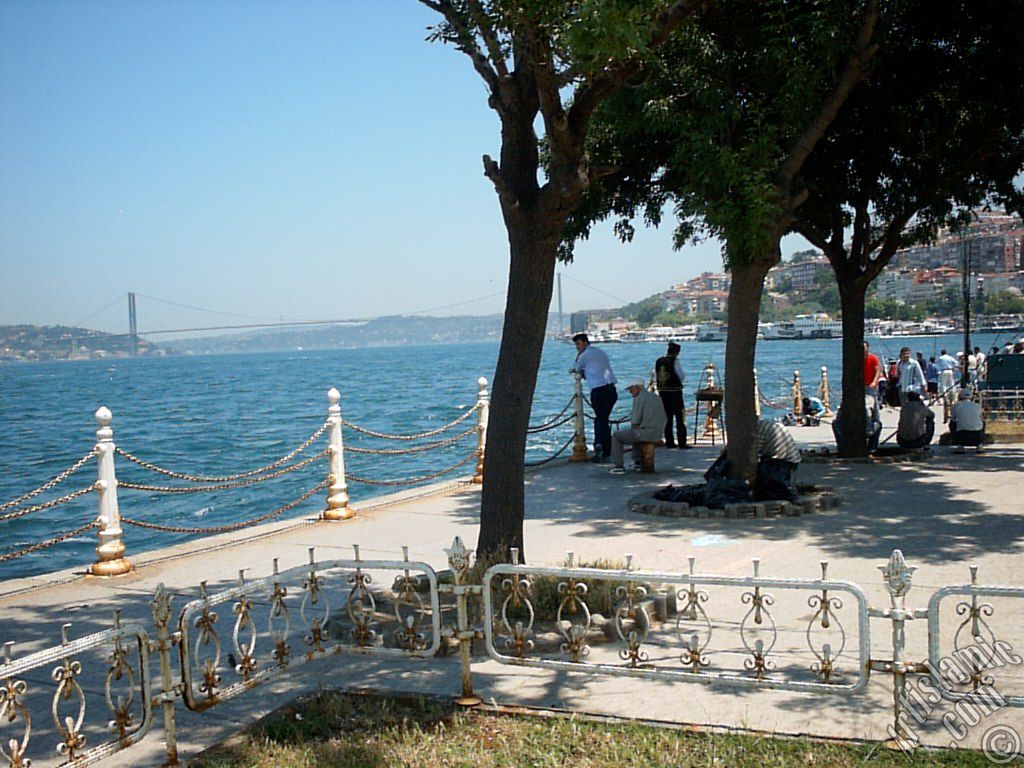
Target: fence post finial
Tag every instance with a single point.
(110, 551)
(337, 492)
(579, 437)
(483, 404)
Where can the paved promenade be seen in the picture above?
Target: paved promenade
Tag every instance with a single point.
(945, 514)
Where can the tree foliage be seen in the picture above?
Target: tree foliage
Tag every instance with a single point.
(719, 130)
(934, 131)
(547, 63)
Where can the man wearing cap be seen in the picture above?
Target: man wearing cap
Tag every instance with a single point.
(646, 423)
(593, 364)
(966, 425)
(670, 376)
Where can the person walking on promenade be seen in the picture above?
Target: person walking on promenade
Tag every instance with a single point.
(595, 367)
(670, 376)
(980, 358)
(911, 377)
(946, 365)
(931, 376)
(872, 371)
(647, 422)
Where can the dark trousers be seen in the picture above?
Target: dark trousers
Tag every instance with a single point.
(673, 403)
(603, 399)
(966, 437)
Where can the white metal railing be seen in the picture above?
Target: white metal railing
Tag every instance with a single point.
(285, 620)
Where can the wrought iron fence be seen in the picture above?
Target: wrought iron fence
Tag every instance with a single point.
(812, 636)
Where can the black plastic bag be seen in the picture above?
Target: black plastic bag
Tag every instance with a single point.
(690, 494)
(720, 491)
(774, 481)
(665, 493)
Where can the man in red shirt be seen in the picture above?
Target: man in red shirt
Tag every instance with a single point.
(872, 371)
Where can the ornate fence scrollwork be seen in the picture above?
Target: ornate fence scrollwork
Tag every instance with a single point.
(975, 646)
(681, 646)
(126, 691)
(307, 592)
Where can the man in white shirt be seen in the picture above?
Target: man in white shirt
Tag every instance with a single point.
(593, 364)
(911, 376)
(946, 365)
(966, 426)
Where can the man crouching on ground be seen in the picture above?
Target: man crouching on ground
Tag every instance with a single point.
(647, 424)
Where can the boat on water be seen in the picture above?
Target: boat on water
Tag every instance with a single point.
(711, 331)
(816, 326)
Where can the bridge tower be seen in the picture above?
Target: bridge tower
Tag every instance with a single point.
(133, 327)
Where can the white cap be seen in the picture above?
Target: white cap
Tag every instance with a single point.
(636, 383)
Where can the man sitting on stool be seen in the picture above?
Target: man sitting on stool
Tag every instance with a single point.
(917, 423)
(966, 426)
(647, 424)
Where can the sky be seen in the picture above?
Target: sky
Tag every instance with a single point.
(264, 160)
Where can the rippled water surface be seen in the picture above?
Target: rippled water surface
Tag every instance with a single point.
(224, 414)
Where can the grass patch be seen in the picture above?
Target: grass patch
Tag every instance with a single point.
(359, 731)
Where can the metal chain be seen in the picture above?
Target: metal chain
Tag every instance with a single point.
(554, 425)
(232, 526)
(553, 456)
(590, 416)
(225, 478)
(46, 505)
(48, 542)
(56, 480)
(545, 425)
(421, 435)
(412, 480)
(415, 448)
(222, 486)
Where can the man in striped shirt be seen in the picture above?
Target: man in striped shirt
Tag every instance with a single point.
(777, 461)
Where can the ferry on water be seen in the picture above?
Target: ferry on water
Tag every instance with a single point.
(816, 326)
(711, 331)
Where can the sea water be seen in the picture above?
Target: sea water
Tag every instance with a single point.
(225, 414)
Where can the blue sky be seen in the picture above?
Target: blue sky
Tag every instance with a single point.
(287, 160)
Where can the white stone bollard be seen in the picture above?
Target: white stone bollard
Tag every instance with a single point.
(579, 437)
(757, 396)
(110, 551)
(483, 402)
(337, 494)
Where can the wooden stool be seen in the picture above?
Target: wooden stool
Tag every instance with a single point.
(645, 457)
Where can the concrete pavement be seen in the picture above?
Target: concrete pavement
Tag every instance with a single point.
(945, 514)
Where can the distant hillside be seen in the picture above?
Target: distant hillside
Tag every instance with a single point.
(24, 343)
(384, 331)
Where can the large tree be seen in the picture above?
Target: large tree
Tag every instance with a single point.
(557, 61)
(935, 130)
(722, 129)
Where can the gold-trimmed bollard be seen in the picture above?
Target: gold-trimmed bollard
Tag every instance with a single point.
(110, 551)
(337, 493)
(483, 404)
(579, 437)
(823, 391)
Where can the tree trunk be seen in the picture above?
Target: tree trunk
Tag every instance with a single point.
(533, 247)
(853, 422)
(740, 346)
